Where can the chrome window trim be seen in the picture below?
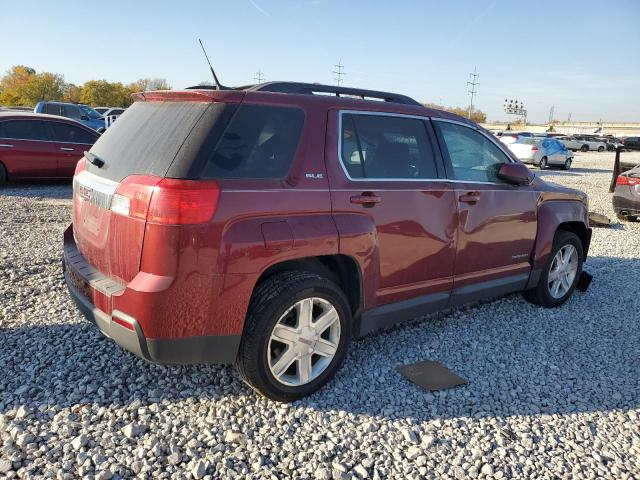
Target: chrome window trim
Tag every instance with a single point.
(416, 117)
(380, 114)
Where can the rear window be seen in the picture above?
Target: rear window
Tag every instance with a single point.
(160, 138)
(259, 142)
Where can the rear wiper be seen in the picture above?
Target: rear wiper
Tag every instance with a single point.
(94, 159)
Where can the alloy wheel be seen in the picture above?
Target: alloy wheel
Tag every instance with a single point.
(563, 271)
(304, 341)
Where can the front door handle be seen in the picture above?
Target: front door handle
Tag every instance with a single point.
(6, 145)
(368, 199)
(471, 197)
(66, 149)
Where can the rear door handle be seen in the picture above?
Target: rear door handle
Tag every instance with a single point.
(6, 145)
(471, 197)
(368, 199)
(66, 149)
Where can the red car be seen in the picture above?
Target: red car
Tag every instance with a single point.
(268, 226)
(41, 146)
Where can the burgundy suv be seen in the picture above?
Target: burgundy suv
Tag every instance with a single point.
(268, 226)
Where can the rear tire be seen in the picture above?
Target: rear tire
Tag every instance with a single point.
(3, 175)
(543, 163)
(584, 148)
(544, 293)
(280, 301)
(601, 149)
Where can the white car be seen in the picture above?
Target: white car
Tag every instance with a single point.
(582, 143)
(543, 152)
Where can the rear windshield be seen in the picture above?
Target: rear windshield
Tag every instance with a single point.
(529, 141)
(200, 140)
(151, 136)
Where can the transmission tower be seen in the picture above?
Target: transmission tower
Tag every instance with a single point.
(339, 73)
(259, 76)
(473, 83)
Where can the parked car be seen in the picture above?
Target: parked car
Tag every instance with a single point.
(574, 144)
(81, 113)
(41, 146)
(101, 110)
(268, 226)
(631, 143)
(626, 196)
(590, 143)
(542, 152)
(113, 112)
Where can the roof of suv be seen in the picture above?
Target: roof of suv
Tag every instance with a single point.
(305, 93)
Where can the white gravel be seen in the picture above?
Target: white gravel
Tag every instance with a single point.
(552, 393)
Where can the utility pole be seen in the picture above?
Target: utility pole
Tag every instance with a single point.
(474, 76)
(551, 115)
(339, 73)
(259, 76)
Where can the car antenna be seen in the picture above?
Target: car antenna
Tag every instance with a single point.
(215, 78)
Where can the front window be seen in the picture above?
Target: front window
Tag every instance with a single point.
(474, 157)
(90, 112)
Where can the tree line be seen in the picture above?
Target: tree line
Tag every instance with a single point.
(23, 86)
(477, 116)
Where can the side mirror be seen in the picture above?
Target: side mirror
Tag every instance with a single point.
(515, 173)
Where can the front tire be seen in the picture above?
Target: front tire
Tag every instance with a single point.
(601, 149)
(561, 273)
(584, 148)
(567, 164)
(296, 335)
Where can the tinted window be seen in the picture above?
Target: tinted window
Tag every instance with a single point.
(53, 109)
(161, 138)
(71, 111)
(23, 130)
(386, 147)
(259, 142)
(474, 157)
(70, 133)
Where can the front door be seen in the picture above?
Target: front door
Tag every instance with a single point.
(394, 210)
(70, 144)
(497, 221)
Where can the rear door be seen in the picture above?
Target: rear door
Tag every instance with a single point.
(26, 149)
(497, 221)
(70, 142)
(393, 207)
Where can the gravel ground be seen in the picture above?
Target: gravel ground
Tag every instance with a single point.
(552, 393)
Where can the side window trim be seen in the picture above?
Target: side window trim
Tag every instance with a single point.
(447, 158)
(438, 160)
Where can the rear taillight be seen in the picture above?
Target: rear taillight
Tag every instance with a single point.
(80, 166)
(166, 201)
(629, 181)
(534, 149)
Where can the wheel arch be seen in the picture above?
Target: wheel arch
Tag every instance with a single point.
(581, 231)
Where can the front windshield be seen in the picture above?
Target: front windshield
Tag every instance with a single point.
(90, 112)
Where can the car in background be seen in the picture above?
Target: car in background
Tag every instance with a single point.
(543, 152)
(574, 144)
(626, 195)
(101, 110)
(510, 137)
(591, 142)
(81, 113)
(631, 143)
(114, 112)
(39, 146)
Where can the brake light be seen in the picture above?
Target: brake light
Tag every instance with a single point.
(166, 201)
(80, 166)
(534, 149)
(624, 180)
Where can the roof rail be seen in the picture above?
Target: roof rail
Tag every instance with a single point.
(312, 88)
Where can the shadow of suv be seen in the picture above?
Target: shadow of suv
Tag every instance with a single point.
(267, 226)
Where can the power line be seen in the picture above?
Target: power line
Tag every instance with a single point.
(259, 76)
(474, 76)
(339, 73)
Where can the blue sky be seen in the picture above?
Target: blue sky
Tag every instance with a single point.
(579, 56)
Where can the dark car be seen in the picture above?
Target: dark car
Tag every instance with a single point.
(626, 196)
(631, 143)
(41, 146)
(268, 226)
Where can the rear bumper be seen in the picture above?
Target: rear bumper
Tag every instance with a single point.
(626, 203)
(110, 307)
(209, 349)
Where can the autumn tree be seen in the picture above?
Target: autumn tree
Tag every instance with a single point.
(104, 93)
(22, 86)
(477, 116)
(148, 84)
